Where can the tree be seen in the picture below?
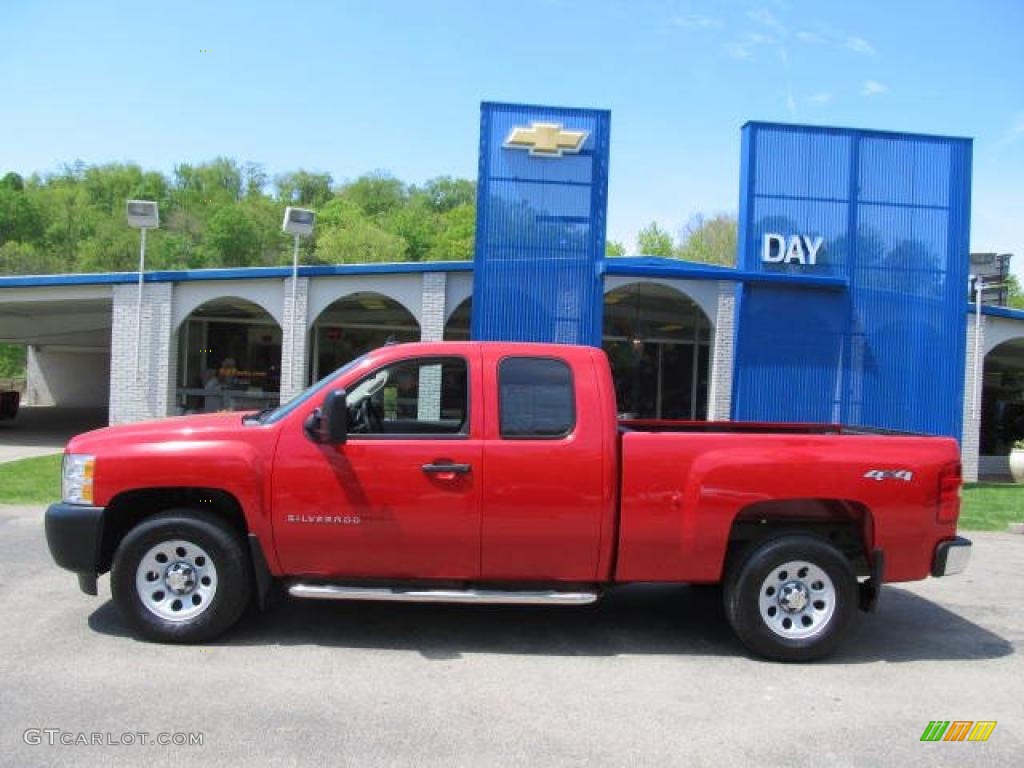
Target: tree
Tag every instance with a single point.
(345, 235)
(12, 181)
(455, 236)
(254, 179)
(654, 241)
(709, 241)
(375, 193)
(304, 188)
(445, 193)
(1016, 295)
(20, 217)
(12, 361)
(614, 248)
(218, 181)
(416, 223)
(232, 237)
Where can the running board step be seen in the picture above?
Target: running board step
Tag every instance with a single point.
(479, 596)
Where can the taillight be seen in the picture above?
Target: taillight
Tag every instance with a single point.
(949, 493)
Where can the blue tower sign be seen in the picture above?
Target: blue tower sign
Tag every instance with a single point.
(540, 231)
(889, 213)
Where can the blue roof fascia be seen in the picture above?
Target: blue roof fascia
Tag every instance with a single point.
(1007, 312)
(243, 273)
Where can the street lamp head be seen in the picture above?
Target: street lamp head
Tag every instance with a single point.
(298, 221)
(142, 214)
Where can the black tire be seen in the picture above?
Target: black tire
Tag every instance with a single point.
(824, 628)
(217, 543)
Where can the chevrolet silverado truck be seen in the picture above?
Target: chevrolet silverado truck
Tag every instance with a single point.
(499, 473)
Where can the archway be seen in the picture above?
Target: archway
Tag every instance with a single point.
(658, 341)
(1002, 400)
(229, 358)
(354, 325)
(457, 327)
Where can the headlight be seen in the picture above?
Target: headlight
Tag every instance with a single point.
(76, 478)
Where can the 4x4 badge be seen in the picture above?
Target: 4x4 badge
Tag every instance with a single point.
(889, 474)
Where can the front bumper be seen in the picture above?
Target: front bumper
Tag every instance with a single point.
(74, 534)
(951, 556)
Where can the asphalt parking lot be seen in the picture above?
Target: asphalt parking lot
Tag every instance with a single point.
(38, 431)
(649, 676)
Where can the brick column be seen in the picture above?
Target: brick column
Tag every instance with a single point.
(723, 349)
(970, 443)
(147, 395)
(294, 344)
(432, 312)
(432, 306)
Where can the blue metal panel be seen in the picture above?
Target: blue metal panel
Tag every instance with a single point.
(540, 230)
(893, 211)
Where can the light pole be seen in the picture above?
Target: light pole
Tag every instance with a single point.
(298, 222)
(143, 215)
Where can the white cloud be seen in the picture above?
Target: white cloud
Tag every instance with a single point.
(744, 47)
(859, 45)
(819, 98)
(1013, 134)
(811, 38)
(873, 88)
(767, 18)
(697, 21)
(1018, 125)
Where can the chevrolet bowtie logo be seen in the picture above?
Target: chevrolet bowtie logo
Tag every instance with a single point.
(546, 140)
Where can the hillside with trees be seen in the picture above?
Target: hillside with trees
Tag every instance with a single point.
(225, 214)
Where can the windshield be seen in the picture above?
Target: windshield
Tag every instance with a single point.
(285, 408)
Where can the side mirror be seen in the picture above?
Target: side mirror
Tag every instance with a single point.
(329, 423)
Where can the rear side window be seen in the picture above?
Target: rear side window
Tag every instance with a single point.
(536, 398)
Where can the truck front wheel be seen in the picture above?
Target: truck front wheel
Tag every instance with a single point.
(181, 576)
(792, 598)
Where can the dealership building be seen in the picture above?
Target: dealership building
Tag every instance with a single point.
(850, 302)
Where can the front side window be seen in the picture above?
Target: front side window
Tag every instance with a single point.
(413, 397)
(536, 398)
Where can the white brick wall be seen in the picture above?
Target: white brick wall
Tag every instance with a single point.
(969, 445)
(67, 376)
(146, 394)
(722, 353)
(294, 339)
(432, 306)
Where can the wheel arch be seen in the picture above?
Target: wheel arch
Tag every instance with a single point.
(846, 524)
(129, 508)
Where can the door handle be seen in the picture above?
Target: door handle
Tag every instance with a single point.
(447, 469)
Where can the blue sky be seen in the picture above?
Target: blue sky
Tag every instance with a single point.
(348, 87)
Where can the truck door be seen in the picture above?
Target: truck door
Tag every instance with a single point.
(401, 498)
(544, 487)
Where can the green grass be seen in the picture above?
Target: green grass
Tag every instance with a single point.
(30, 481)
(986, 506)
(990, 506)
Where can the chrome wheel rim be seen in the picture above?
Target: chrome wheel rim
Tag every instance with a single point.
(797, 600)
(176, 580)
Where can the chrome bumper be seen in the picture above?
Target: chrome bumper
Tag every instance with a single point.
(951, 556)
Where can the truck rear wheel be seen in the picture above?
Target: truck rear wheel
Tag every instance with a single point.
(792, 598)
(181, 576)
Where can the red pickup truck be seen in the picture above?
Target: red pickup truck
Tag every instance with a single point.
(499, 473)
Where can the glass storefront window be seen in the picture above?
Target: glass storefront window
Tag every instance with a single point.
(229, 358)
